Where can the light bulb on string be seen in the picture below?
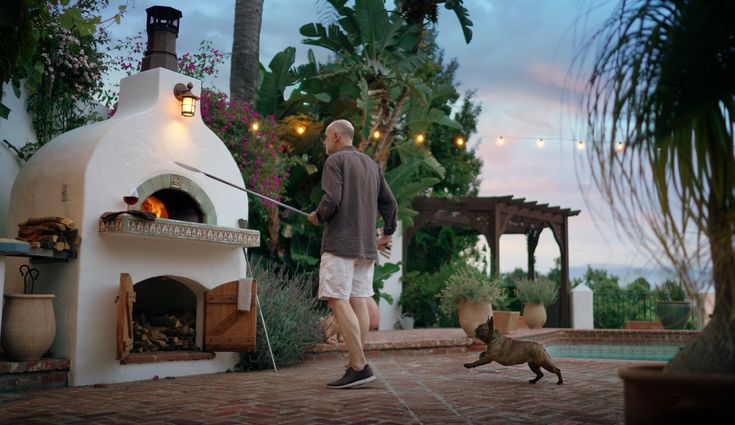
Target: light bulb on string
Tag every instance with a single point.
(620, 147)
(420, 139)
(501, 141)
(376, 134)
(459, 142)
(540, 142)
(255, 126)
(580, 145)
(300, 130)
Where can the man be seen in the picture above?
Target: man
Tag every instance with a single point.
(354, 189)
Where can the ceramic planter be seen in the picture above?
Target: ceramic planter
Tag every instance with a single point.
(29, 326)
(505, 321)
(673, 314)
(534, 315)
(472, 314)
(655, 397)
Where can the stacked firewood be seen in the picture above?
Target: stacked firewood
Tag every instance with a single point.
(168, 332)
(57, 233)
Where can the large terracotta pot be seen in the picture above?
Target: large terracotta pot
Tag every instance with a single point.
(534, 315)
(673, 314)
(29, 326)
(655, 397)
(472, 314)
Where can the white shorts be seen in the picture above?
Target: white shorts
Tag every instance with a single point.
(344, 278)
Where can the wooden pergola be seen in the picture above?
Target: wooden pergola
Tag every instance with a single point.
(495, 216)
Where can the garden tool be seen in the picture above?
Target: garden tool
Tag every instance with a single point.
(29, 275)
(257, 301)
(280, 204)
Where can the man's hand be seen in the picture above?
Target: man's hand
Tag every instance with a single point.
(313, 219)
(384, 245)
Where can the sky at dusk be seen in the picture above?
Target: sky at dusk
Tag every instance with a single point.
(520, 64)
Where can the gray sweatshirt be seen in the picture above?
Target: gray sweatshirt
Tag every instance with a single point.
(354, 189)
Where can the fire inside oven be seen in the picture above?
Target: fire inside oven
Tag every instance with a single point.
(173, 204)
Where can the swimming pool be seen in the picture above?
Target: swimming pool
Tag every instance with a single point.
(613, 344)
(657, 352)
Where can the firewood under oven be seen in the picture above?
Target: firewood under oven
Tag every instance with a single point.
(168, 332)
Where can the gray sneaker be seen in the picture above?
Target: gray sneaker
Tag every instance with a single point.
(353, 378)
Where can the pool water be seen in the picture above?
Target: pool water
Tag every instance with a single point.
(614, 351)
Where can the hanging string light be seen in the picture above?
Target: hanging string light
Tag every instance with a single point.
(459, 141)
(300, 130)
(376, 134)
(420, 138)
(254, 126)
(581, 145)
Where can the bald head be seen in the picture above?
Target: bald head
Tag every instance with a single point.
(344, 128)
(339, 134)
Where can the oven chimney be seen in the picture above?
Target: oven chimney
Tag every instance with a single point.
(162, 25)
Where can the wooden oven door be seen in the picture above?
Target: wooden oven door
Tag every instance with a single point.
(125, 301)
(225, 327)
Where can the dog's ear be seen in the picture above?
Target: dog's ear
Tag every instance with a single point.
(491, 323)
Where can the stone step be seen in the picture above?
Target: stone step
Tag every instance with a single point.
(400, 342)
(31, 375)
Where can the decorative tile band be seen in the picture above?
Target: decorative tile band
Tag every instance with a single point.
(174, 229)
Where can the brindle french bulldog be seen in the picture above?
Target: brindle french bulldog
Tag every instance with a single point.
(507, 352)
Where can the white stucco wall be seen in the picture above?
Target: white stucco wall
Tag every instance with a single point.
(391, 313)
(96, 166)
(18, 131)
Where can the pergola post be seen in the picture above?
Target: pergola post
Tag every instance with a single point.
(532, 238)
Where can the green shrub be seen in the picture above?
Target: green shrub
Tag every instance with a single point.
(292, 316)
(470, 284)
(419, 296)
(541, 291)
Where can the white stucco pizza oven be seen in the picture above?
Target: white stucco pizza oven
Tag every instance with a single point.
(192, 262)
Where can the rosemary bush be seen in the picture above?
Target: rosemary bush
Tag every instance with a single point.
(472, 285)
(291, 315)
(541, 291)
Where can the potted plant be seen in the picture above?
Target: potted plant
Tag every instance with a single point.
(668, 180)
(672, 308)
(535, 296)
(471, 294)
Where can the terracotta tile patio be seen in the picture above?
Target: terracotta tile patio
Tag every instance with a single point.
(412, 387)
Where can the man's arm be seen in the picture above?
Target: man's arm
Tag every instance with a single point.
(332, 188)
(387, 206)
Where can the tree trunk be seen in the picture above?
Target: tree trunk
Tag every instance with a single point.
(714, 349)
(245, 62)
(274, 227)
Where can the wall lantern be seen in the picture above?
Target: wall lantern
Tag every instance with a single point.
(187, 98)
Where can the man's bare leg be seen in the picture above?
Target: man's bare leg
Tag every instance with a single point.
(359, 305)
(349, 328)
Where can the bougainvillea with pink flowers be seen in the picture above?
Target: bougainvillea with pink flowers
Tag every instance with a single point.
(259, 153)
